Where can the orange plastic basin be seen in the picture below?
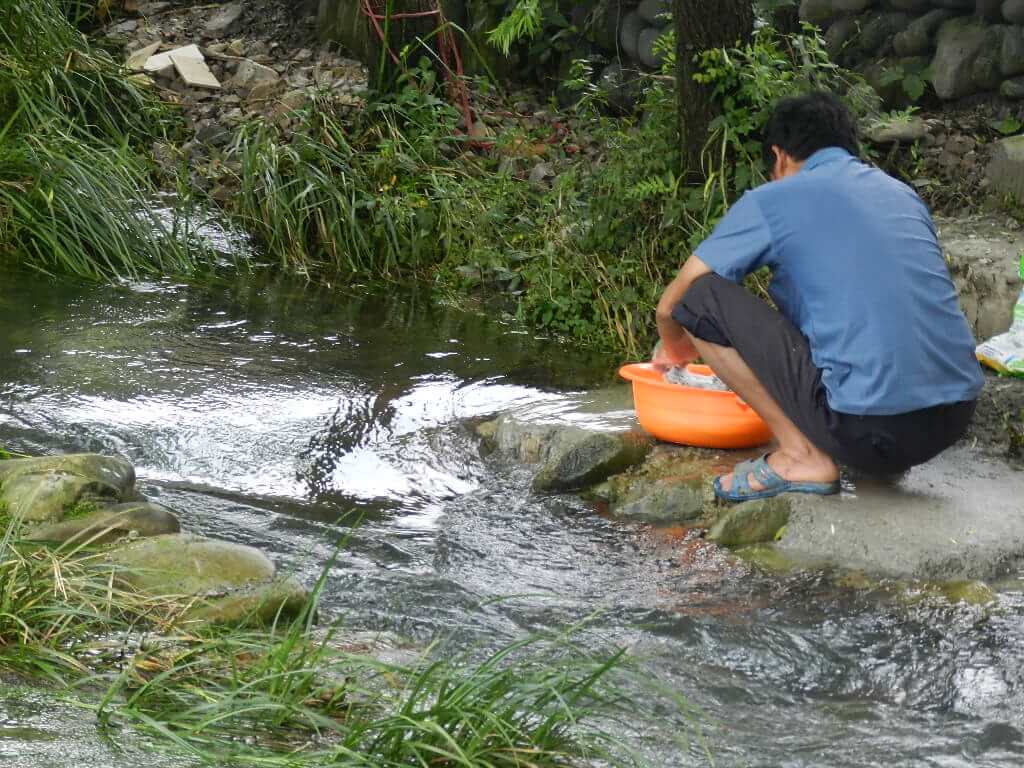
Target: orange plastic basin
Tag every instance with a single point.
(692, 416)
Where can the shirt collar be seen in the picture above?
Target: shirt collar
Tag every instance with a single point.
(826, 155)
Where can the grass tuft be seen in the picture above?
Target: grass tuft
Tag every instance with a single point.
(289, 695)
(76, 187)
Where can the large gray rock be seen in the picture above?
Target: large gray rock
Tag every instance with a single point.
(46, 488)
(133, 520)
(902, 131)
(1011, 54)
(820, 12)
(910, 6)
(583, 459)
(985, 70)
(1013, 11)
(185, 565)
(653, 11)
(647, 54)
(960, 6)
(1005, 171)
(989, 10)
(852, 6)
(840, 38)
(629, 34)
(1012, 88)
(983, 261)
(956, 517)
(960, 41)
(751, 522)
(878, 31)
(570, 457)
(225, 21)
(919, 36)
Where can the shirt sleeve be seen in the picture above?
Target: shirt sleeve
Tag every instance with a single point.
(740, 243)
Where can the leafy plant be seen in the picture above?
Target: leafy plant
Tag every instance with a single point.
(1008, 126)
(914, 81)
(521, 23)
(747, 81)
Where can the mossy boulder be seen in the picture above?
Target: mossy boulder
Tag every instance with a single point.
(109, 523)
(582, 459)
(751, 522)
(232, 583)
(185, 564)
(44, 489)
(673, 484)
(255, 605)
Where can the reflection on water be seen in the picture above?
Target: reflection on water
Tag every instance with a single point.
(275, 415)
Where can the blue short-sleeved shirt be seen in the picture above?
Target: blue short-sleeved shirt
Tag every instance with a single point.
(857, 267)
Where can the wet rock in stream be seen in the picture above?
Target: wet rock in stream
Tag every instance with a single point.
(571, 458)
(89, 499)
(751, 522)
(109, 523)
(44, 489)
(672, 485)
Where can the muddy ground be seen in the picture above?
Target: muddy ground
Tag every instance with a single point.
(998, 425)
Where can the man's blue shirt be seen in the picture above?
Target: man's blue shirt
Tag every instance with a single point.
(857, 267)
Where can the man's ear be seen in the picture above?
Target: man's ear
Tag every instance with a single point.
(778, 162)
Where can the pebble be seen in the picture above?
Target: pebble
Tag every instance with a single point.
(540, 173)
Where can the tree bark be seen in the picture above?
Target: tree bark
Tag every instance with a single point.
(701, 25)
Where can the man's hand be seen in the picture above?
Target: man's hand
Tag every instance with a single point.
(663, 359)
(676, 346)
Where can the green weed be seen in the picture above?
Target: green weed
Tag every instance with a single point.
(76, 188)
(289, 695)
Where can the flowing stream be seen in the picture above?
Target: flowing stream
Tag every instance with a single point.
(286, 417)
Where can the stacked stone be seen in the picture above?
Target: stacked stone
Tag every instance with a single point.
(624, 34)
(638, 31)
(971, 46)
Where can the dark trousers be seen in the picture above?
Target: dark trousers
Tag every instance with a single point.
(720, 312)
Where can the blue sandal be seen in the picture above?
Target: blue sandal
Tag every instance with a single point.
(769, 478)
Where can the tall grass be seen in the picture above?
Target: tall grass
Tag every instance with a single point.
(57, 605)
(50, 75)
(81, 208)
(76, 187)
(377, 196)
(290, 695)
(296, 702)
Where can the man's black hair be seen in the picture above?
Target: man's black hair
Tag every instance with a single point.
(801, 125)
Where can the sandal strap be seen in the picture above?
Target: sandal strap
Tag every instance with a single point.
(765, 475)
(741, 481)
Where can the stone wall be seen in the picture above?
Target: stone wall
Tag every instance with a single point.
(620, 34)
(970, 46)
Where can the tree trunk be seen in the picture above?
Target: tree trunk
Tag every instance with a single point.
(701, 25)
